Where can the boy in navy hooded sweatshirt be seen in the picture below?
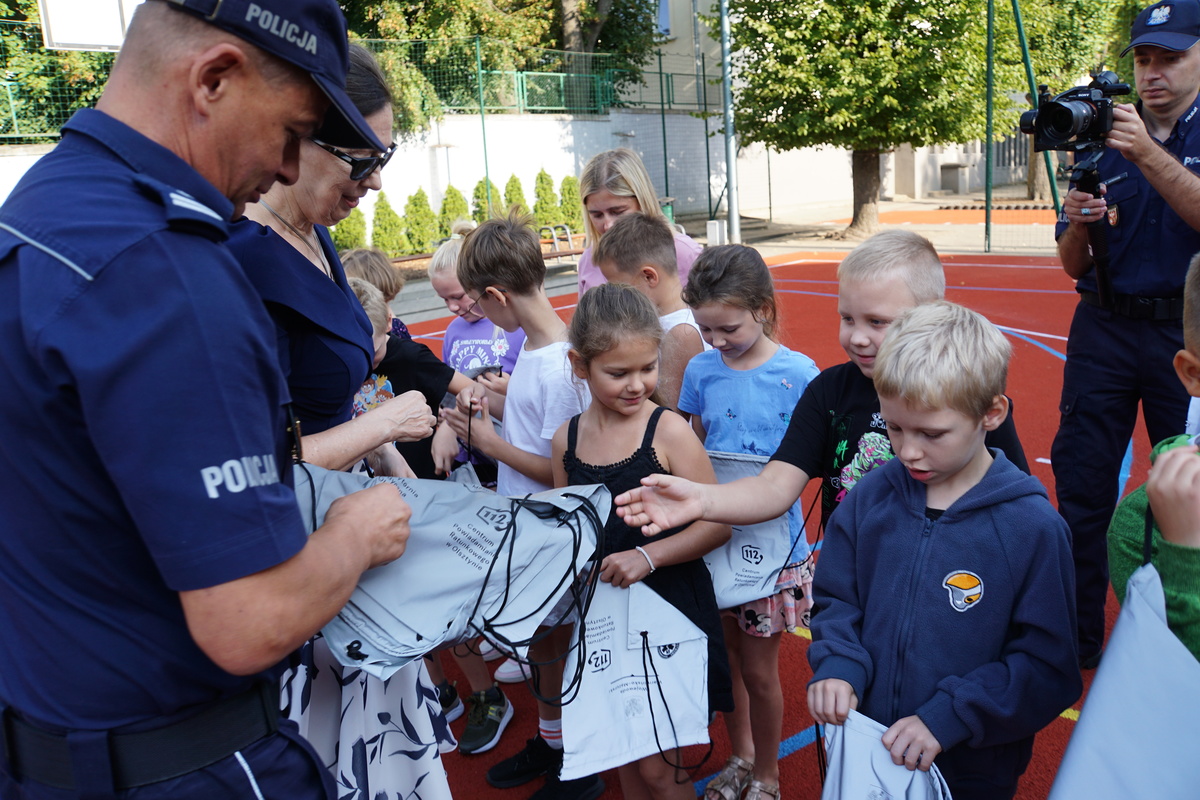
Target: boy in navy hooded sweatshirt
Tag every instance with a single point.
(945, 601)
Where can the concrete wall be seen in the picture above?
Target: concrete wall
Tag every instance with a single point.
(690, 167)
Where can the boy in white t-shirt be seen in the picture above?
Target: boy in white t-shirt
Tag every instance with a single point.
(640, 250)
(502, 271)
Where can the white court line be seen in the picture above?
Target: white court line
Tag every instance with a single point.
(1042, 460)
(442, 333)
(951, 264)
(1038, 334)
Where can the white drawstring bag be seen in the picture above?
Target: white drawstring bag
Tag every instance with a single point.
(476, 563)
(861, 768)
(747, 566)
(643, 689)
(1136, 736)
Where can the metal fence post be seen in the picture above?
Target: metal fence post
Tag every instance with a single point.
(487, 177)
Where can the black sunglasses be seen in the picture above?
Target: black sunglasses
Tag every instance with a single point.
(360, 168)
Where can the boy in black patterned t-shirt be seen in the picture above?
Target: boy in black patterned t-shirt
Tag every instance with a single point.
(836, 432)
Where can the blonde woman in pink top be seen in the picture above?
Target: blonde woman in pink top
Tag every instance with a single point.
(613, 183)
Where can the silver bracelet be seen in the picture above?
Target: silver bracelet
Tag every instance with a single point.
(646, 556)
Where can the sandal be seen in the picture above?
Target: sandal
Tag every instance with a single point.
(731, 781)
(762, 791)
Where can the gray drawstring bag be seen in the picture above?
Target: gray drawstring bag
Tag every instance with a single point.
(1136, 735)
(641, 681)
(861, 768)
(477, 563)
(747, 567)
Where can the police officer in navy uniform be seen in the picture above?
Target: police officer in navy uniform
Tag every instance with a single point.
(154, 569)
(1121, 355)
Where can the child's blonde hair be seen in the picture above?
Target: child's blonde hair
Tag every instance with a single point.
(503, 251)
(622, 173)
(609, 314)
(374, 267)
(942, 355)
(372, 303)
(445, 258)
(897, 252)
(636, 240)
(1191, 307)
(734, 275)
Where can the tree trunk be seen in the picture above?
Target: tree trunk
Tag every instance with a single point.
(865, 169)
(603, 9)
(1037, 182)
(572, 26)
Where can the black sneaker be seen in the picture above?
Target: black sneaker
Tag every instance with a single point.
(588, 788)
(488, 714)
(537, 759)
(452, 704)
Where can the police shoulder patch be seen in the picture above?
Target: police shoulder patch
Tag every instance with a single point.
(184, 212)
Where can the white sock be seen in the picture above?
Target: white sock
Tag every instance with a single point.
(551, 731)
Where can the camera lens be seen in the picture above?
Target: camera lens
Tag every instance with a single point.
(1065, 119)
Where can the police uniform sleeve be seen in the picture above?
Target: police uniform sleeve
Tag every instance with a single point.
(173, 358)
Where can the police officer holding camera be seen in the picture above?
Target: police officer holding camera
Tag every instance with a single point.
(1120, 353)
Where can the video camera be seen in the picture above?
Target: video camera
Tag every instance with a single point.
(1077, 119)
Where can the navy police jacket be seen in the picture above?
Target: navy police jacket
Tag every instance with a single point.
(142, 431)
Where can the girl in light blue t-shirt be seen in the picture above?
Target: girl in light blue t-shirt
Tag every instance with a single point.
(741, 395)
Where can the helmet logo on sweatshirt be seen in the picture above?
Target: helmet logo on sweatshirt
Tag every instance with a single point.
(966, 589)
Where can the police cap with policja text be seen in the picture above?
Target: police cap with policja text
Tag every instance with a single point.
(1172, 25)
(308, 33)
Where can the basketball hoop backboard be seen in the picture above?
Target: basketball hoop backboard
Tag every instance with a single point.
(85, 24)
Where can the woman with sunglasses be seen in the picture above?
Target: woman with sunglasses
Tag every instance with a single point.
(326, 352)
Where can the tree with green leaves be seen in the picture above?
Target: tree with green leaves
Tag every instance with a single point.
(387, 229)
(352, 231)
(45, 86)
(434, 47)
(421, 223)
(571, 204)
(869, 77)
(514, 195)
(454, 207)
(546, 209)
(479, 201)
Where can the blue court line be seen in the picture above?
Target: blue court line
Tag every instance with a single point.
(1127, 460)
(1032, 341)
(964, 288)
(787, 747)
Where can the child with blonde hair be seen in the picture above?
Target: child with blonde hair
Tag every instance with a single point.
(945, 602)
(613, 183)
(621, 437)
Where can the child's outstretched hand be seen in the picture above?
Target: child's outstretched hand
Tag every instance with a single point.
(1174, 492)
(624, 569)
(662, 502)
(831, 700)
(911, 744)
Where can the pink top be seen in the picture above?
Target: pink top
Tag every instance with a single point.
(686, 251)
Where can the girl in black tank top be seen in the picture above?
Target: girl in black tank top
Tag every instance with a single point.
(622, 437)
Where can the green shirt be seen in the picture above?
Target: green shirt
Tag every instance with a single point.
(1178, 565)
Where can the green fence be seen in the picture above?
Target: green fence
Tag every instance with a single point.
(43, 88)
